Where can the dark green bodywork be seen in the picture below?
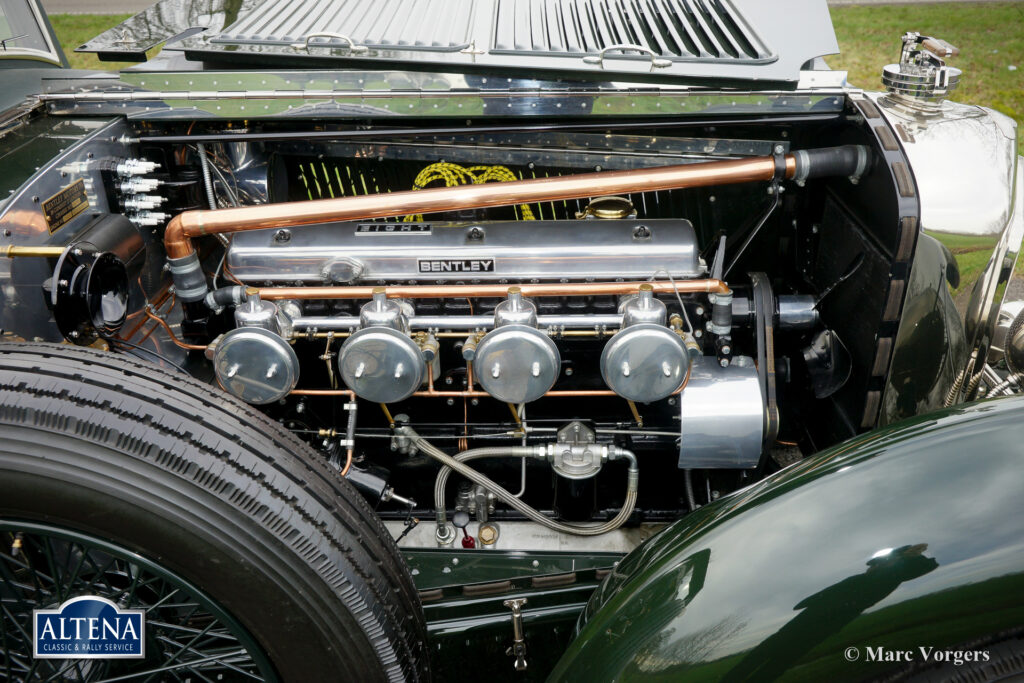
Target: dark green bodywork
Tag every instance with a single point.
(905, 537)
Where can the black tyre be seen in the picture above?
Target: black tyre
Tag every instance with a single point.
(123, 480)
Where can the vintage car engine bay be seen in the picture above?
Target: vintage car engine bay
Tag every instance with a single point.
(610, 328)
(590, 340)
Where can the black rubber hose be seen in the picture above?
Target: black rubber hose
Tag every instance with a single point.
(226, 296)
(846, 160)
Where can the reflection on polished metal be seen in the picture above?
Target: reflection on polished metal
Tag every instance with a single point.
(462, 291)
(185, 226)
(381, 362)
(608, 208)
(645, 361)
(722, 416)
(517, 362)
(486, 251)
(983, 208)
(255, 365)
(922, 80)
(258, 313)
(796, 311)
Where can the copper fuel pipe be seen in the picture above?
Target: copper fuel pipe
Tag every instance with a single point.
(183, 227)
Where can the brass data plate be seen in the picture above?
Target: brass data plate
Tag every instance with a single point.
(59, 209)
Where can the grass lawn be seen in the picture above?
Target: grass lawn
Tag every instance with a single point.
(74, 29)
(990, 36)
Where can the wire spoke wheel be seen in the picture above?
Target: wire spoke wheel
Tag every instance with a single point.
(188, 636)
(250, 558)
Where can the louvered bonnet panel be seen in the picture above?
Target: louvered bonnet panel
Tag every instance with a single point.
(441, 25)
(673, 29)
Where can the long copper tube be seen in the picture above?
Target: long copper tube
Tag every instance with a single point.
(460, 291)
(185, 226)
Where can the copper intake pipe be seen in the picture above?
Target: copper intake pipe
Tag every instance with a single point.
(185, 226)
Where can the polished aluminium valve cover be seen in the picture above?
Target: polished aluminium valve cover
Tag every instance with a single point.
(485, 252)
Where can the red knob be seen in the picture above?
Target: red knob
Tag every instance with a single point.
(468, 541)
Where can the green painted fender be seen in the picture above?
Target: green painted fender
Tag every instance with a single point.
(908, 537)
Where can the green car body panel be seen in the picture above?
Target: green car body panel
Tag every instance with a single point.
(909, 536)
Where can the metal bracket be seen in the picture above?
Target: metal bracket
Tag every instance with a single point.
(472, 49)
(518, 647)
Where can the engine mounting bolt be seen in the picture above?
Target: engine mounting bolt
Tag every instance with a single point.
(283, 236)
(451, 401)
(475, 402)
(448, 380)
(568, 372)
(726, 349)
(641, 232)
